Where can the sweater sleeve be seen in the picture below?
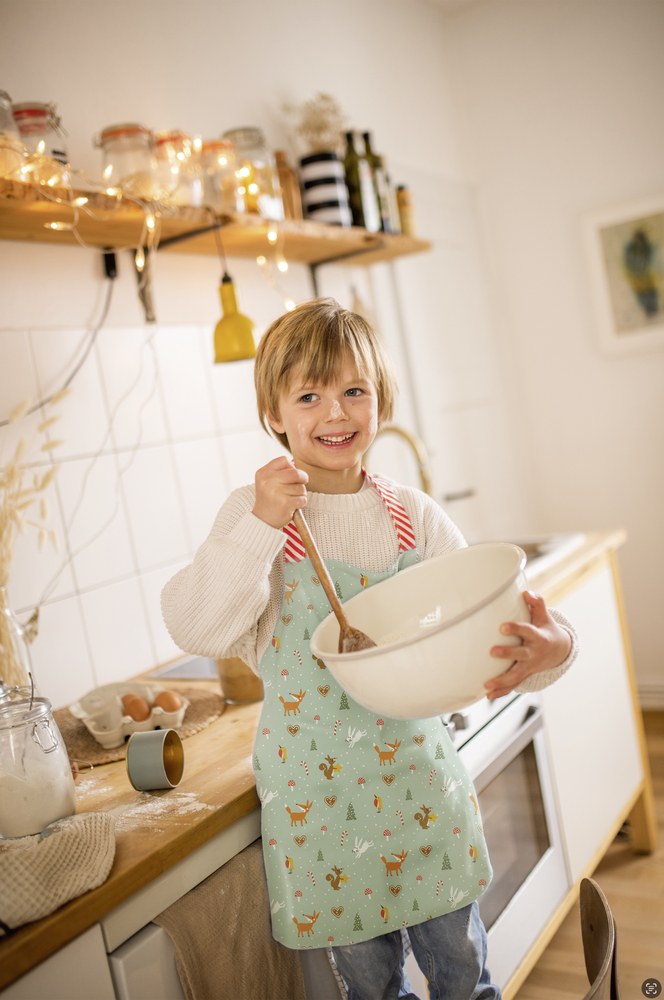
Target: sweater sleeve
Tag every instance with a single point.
(212, 607)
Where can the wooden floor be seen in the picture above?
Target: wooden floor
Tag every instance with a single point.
(634, 887)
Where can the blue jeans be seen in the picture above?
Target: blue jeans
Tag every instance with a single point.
(450, 950)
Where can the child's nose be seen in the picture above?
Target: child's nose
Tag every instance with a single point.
(336, 412)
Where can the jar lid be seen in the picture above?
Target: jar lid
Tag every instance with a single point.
(122, 130)
(217, 145)
(248, 136)
(16, 713)
(32, 109)
(175, 135)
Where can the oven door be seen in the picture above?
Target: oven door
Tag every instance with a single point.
(508, 764)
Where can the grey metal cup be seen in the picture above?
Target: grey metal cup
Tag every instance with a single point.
(155, 759)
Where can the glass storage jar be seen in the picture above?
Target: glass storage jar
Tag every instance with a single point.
(40, 129)
(128, 158)
(180, 172)
(10, 154)
(36, 782)
(258, 181)
(219, 181)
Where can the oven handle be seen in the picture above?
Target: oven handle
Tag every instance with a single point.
(521, 739)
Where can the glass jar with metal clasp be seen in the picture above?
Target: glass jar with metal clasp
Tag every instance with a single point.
(41, 130)
(129, 162)
(179, 169)
(36, 782)
(220, 185)
(256, 172)
(11, 156)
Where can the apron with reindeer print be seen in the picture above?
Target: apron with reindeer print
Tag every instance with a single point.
(368, 824)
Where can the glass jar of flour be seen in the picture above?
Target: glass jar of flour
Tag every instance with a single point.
(36, 783)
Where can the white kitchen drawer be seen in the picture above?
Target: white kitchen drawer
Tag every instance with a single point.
(143, 968)
(68, 973)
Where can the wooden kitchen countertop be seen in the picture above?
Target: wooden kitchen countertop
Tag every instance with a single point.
(156, 830)
(217, 789)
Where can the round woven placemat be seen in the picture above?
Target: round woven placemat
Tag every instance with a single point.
(204, 708)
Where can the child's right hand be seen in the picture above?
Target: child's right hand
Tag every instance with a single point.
(280, 489)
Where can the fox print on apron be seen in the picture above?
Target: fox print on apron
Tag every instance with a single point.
(368, 824)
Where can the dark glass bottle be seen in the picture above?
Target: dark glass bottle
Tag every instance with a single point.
(380, 183)
(361, 193)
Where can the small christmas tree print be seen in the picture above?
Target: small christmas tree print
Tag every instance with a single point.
(257, 765)
(306, 634)
(313, 745)
(344, 701)
(351, 815)
(320, 856)
(446, 862)
(439, 752)
(415, 906)
(338, 590)
(409, 797)
(357, 926)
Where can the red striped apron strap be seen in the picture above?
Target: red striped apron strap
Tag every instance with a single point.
(294, 549)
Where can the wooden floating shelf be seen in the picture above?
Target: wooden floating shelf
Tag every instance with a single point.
(25, 214)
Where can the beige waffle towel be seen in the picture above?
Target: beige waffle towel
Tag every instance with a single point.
(224, 949)
(38, 874)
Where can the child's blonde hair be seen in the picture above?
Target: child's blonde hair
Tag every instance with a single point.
(313, 342)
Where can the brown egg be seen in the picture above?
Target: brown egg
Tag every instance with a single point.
(126, 698)
(168, 700)
(138, 709)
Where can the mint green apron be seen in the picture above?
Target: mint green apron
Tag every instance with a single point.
(368, 824)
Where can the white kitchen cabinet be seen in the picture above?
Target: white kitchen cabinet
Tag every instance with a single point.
(79, 971)
(591, 728)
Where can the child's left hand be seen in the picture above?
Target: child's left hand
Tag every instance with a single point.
(546, 644)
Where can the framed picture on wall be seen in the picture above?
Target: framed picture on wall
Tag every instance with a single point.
(626, 256)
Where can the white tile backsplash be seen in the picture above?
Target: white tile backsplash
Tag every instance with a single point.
(60, 654)
(204, 488)
(82, 424)
(184, 384)
(156, 518)
(128, 362)
(116, 626)
(96, 521)
(234, 395)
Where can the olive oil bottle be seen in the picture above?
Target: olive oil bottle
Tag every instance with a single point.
(361, 191)
(380, 183)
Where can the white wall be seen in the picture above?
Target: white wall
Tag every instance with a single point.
(559, 109)
(207, 67)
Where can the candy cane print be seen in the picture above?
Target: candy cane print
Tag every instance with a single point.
(311, 876)
(303, 764)
(438, 885)
(399, 814)
(431, 776)
(344, 834)
(336, 726)
(295, 653)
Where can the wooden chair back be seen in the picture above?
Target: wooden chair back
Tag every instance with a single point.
(598, 930)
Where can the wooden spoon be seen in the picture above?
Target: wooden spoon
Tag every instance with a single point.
(351, 640)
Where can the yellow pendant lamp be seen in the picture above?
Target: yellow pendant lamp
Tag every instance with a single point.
(233, 337)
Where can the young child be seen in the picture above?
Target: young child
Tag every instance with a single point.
(335, 778)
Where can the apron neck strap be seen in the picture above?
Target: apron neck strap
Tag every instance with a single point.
(294, 549)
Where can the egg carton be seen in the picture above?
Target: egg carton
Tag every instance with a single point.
(102, 713)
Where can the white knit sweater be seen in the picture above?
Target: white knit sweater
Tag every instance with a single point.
(227, 602)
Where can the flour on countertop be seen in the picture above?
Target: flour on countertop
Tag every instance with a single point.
(150, 809)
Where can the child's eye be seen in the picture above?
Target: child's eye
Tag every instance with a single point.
(308, 397)
(354, 392)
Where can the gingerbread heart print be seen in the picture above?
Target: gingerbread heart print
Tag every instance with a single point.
(395, 889)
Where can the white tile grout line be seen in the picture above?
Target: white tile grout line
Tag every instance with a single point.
(149, 345)
(181, 560)
(86, 637)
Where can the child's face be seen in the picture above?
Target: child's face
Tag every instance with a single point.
(329, 427)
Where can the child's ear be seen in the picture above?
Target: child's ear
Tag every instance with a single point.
(275, 424)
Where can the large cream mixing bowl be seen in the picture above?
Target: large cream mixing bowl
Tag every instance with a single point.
(434, 624)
